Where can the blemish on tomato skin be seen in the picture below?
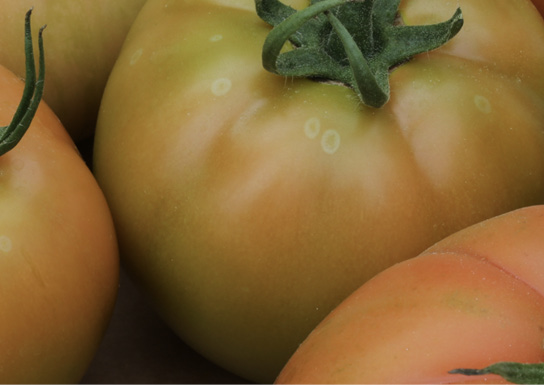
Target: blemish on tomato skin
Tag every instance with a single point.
(216, 38)
(245, 116)
(136, 56)
(5, 244)
(312, 127)
(482, 103)
(330, 141)
(221, 86)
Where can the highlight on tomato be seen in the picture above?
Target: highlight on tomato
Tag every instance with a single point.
(249, 204)
(473, 300)
(58, 251)
(83, 41)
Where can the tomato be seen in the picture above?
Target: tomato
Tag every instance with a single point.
(249, 205)
(472, 299)
(58, 252)
(83, 41)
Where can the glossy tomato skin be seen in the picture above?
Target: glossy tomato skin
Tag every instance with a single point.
(83, 41)
(58, 253)
(249, 205)
(473, 299)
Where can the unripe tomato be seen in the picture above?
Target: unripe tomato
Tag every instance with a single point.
(83, 40)
(248, 204)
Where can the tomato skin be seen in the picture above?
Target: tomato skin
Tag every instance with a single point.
(83, 41)
(58, 252)
(474, 298)
(240, 216)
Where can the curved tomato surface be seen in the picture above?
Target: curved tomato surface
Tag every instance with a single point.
(83, 41)
(473, 299)
(58, 252)
(249, 205)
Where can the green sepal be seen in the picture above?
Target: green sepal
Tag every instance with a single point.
(354, 42)
(515, 372)
(11, 134)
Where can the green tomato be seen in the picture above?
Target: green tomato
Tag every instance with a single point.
(83, 40)
(248, 205)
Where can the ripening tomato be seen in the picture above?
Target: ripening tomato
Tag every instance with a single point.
(83, 41)
(58, 251)
(248, 205)
(473, 299)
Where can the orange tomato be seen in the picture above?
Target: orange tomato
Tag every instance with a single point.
(471, 300)
(58, 252)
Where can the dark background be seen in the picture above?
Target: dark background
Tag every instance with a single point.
(140, 348)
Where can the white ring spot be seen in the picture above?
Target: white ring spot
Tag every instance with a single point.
(216, 38)
(221, 86)
(312, 127)
(330, 141)
(482, 103)
(5, 244)
(136, 56)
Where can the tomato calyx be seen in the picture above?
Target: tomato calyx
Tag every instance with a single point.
(352, 42)
(32, 94)
(515, 372)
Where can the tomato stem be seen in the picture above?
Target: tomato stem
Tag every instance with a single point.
(352, 42)
(32, 94)
(514, 372)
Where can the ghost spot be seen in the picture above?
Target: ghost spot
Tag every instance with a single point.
(482, 103)
(330, 141)
(312, 127)
(5, 244)
(136, 56)
(221, 86)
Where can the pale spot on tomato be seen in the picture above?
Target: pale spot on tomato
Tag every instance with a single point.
(216, 38)
(312, 127)
(482, 103)
(5, 244)
(247, 115)
(221, 86)
(330, 141)
(136, 56)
